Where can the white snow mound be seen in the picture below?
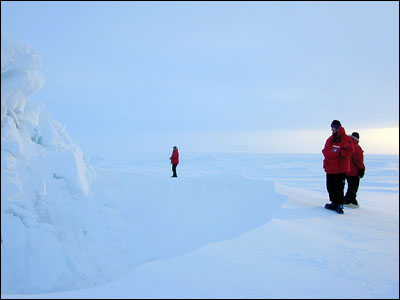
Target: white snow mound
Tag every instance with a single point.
(44, 183)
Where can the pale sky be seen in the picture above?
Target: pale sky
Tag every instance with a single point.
(216, 76)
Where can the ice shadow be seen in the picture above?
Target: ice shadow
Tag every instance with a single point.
(167, 217)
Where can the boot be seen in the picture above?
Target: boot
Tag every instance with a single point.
(330, 206)
(339, 209)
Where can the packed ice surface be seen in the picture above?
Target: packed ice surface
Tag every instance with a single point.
(230, 226)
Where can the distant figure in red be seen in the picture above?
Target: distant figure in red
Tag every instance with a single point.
(174, 160)
(357, 170)
(337, 153)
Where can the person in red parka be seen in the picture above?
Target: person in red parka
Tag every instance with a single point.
(174, 160)
(337, 153)
(357, 170)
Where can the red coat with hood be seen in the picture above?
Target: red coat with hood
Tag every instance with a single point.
(337, 152)
(356, 161)
(175, 157)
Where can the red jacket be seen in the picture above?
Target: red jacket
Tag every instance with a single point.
(356, 161)
(337, 153)
(175, 157)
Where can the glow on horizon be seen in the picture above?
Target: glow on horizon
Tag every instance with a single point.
(372, 141)
(380, 140)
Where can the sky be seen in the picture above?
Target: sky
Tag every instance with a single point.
(224, 76)
(232, 225)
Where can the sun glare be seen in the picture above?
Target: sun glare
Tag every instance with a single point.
(380, 141)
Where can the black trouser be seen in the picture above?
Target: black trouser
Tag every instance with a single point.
(353, 183)
(174, 170)
(335, 187)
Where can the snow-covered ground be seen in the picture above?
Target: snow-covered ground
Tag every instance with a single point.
(225, 228)
(232, 225)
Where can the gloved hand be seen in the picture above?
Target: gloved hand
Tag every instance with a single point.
(361, 173)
